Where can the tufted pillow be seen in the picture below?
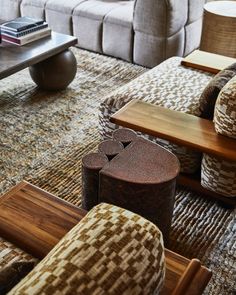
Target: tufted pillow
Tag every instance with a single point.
(225, 110)
(110, 251)
(213, 88)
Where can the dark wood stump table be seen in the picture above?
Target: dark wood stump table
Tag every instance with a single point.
(52, 66)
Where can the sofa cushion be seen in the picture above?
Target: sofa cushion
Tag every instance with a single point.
(212, 90)
(10, 9)
(118, 34)
(59, 15)
(219, 175)
(88, 22)
(110, 251)
(33, 8)
(225, 110)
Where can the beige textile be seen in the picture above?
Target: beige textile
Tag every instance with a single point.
(225, 110)
(218, 175)
(111, 251)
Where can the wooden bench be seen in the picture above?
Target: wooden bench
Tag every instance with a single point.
(36, 220)
(180, 128)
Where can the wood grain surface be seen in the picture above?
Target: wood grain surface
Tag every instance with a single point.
(206, 61)
(34, 219)
(14, 58)
(180, 128)
(184, 276)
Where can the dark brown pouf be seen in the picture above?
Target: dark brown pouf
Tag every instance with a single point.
(110, 148)
(142, 179)
(91, 165)
(124, 135)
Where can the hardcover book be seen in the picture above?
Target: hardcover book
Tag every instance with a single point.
(28, 38)
(22, 23)
(7, 32)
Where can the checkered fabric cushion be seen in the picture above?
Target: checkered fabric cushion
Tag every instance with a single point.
(219, 175)
(225, 110)
(169, 85)
(111, 251)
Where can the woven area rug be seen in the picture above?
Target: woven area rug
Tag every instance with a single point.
(44, 135)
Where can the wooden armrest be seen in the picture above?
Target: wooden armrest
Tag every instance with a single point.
(206, 61)
(180, 128)
(184, 276)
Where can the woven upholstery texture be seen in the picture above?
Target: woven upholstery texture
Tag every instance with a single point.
(225, 110)
(210, 93)
(180, 93)
(218, 175)
(111, 251)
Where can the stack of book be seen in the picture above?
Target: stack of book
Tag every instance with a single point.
(24, 30)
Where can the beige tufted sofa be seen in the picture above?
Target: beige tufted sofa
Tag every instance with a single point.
(145, 32)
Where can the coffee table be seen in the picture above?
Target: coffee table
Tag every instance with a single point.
(51, 65)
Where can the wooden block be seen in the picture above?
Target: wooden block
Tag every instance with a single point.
(34, 219)
(206, 61)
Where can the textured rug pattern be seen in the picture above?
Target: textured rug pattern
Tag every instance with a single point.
(44, 135)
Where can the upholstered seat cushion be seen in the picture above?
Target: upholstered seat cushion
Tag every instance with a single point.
(111, 251)
(212, 90)
(88, 22)
(59, 15)
(118, 33)
(10, 9)
(34, 8)
(225, 110)
(169, 85)
(219, 175)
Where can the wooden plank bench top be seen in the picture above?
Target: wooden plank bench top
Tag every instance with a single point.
(34, 219)
(206, 61)
(180, 128)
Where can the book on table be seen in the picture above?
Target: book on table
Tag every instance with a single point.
(24, 30)
(27, 38)
(7, 32)
(21, 24)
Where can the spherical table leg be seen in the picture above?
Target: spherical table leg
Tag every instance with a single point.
(56, 72)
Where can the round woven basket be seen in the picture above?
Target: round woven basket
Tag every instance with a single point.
(219, 28)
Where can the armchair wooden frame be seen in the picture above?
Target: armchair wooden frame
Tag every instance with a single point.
(180, 128)
(36, 220)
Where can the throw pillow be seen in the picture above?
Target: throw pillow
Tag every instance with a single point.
(225, 110)
(212, 90)
(13, 273)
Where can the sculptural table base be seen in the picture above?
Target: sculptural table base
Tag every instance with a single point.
(56, 72)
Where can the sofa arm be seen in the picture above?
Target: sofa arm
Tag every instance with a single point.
(110, 251)
(165, 28)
